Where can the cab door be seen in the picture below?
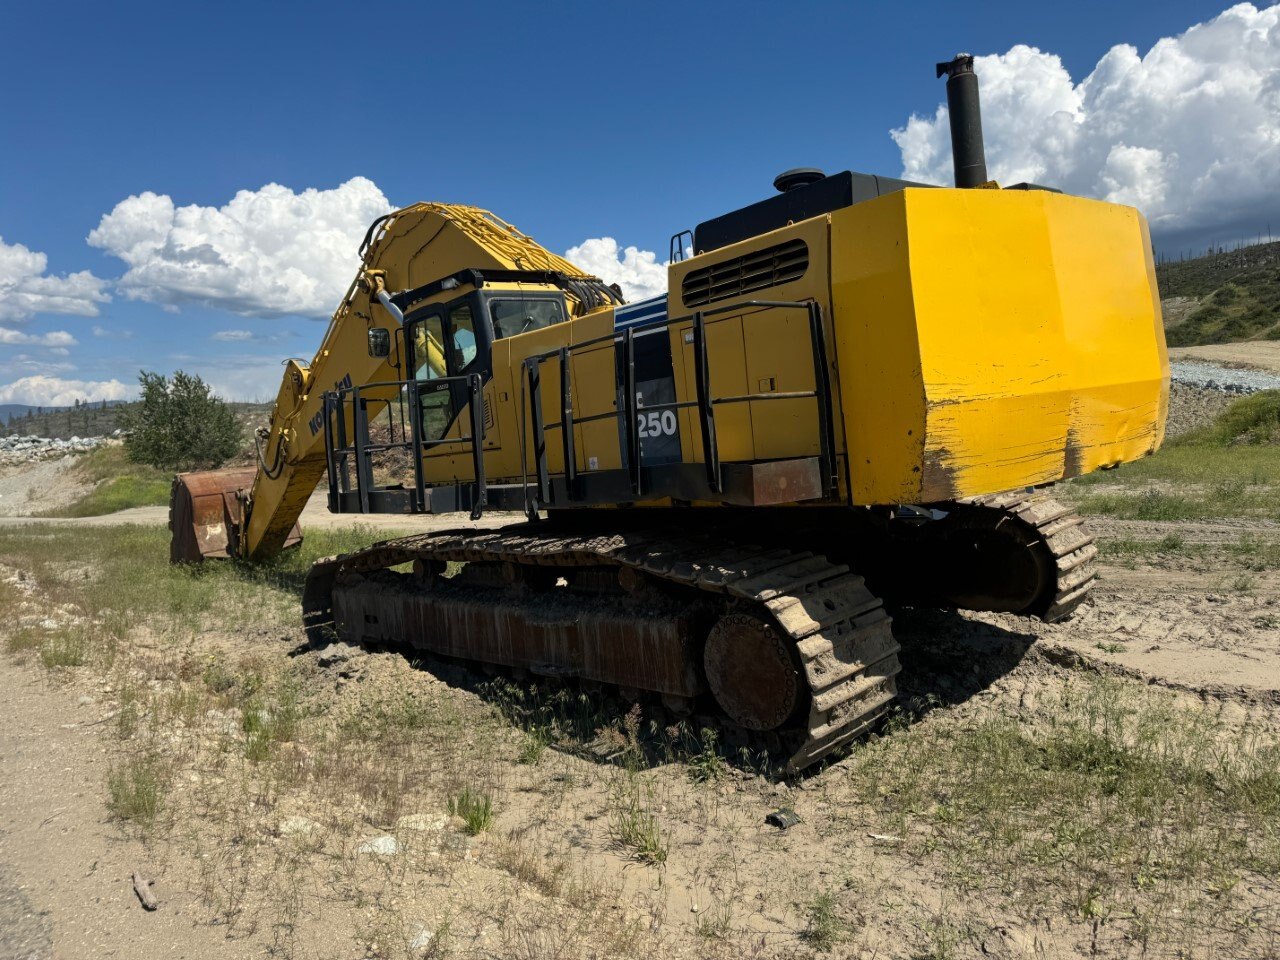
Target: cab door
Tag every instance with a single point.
(447, 341)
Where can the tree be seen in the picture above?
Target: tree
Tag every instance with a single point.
(179, 424)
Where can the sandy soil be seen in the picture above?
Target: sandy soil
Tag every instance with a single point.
(30, 488)
(1251, 354)
(65, 873)
(1177, 309)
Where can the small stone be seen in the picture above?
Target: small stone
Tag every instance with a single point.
(336, 653)
(86, 701)
(383, 846)
(421, 941)
(296, 827)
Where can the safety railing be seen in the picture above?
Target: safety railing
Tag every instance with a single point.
(703, 402)
(342, 451)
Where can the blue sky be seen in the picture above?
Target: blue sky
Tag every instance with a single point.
(573, 121)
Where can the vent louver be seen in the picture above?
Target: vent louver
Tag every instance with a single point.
(757, 270)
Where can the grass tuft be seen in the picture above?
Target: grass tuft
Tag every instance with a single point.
(136, 790)
(475, 807)
(23, 640)
(825, 928)
(66, 650)
(632, 821)
(269, 720)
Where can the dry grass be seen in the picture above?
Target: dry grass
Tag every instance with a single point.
(1126, 806)
(1123, 814)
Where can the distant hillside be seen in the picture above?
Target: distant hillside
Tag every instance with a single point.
(8, 410)
(1222, 297)
(94, 419)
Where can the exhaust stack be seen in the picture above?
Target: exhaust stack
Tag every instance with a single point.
(967, 152)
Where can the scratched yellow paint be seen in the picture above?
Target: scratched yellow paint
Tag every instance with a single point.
(990, 340)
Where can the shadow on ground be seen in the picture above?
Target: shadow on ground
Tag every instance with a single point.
(946, 659)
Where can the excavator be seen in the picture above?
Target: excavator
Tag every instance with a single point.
(857, 390)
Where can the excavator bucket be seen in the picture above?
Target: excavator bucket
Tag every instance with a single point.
(205, 514)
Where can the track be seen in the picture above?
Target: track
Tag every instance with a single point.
(785, 641)
(1030, 544)
(789, 644)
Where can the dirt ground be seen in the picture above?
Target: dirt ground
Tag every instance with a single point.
(550, 878)
(1250, 354)
(35, 487)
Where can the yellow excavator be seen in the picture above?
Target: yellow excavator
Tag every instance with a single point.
(855, 389)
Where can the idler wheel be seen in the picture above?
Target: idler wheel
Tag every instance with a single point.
(752, 671)
(995, 562)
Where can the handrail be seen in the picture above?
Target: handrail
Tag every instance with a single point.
(337, 450)
(703, 401)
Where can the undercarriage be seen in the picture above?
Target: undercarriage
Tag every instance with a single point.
(771, 622)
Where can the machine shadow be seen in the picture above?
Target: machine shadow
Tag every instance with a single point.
(946, 658)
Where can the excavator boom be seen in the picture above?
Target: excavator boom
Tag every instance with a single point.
(253, 513)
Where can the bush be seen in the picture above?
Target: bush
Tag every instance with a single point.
(180, 425)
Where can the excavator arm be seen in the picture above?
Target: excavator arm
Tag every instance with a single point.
(252, 513)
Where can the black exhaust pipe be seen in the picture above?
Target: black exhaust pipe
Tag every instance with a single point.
(967, 151)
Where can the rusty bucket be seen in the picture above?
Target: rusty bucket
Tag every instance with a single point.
(205, 514)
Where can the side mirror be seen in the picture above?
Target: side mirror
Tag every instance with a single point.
(379, 342)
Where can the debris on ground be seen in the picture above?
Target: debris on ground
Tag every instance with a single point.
(142, 888)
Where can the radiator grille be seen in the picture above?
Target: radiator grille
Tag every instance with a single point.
(751, 271)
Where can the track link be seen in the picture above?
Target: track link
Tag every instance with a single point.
(1062, 547)
(839, 634)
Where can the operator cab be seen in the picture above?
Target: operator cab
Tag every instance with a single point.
(455, 339)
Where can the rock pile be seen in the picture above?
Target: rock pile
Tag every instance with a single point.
(31, 449)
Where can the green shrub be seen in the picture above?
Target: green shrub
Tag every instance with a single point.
(475, 807)
(180, 425)
(136, 790)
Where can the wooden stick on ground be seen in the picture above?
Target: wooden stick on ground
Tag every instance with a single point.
(143, 889)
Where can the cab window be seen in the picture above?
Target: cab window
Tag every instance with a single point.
(513, 316)
(428, 349)
(462, 336)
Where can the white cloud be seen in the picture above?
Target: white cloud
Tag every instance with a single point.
(45, 391)
(56, 338)
(636, 271)
(247, 378)
(268, 252)
(246, 336)
(22, 364)
(25, 288)
(1189, 133)
(107, 333)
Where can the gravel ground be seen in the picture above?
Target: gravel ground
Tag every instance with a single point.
(1191, 407)
(1231, 380)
